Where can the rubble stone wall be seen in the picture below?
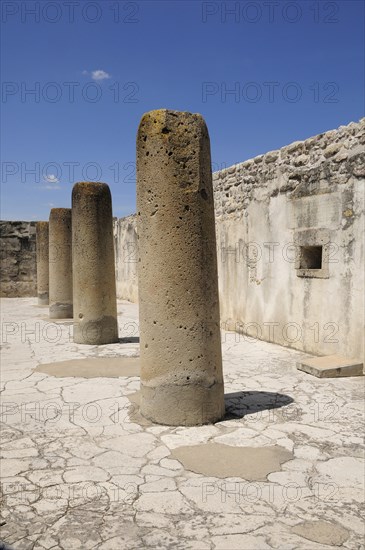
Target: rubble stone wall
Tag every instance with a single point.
(18, 267)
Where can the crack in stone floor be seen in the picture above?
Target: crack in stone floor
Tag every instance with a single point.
(81, 470)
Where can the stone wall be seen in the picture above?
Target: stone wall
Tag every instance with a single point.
(18, 269)
(290, 232)
(276, 214)
(126, 257)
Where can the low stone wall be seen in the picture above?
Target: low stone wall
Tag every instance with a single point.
(18, 269)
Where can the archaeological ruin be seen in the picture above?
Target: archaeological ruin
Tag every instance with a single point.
(182, 275)
(42, 258)
(60, 264)
(181, 359)
(275, 215)
(117, 429)
(271, 211)
(95, 302)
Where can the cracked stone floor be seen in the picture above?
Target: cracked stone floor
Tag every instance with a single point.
(80, 470)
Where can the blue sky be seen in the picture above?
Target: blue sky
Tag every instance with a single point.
(294, 69)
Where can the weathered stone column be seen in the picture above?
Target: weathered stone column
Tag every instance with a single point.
(181, 362)
(95, 302)
(42, 252)
(60, 264)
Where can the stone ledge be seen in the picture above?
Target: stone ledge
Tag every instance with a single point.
(331, 366)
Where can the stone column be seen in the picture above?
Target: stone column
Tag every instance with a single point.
(181, 362)
(95, 303)
(42, 251)
(60, 264)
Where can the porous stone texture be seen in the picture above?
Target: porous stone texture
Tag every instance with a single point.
(181, 362)
(42, 247)
(95, 303)
(78, 471)
(18, 266)
(60, 264)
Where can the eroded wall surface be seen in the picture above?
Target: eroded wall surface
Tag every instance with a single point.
(126, 257)
(306, 198)
(18, 267)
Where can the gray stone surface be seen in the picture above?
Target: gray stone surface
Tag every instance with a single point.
(79, 472)
(181, 361)
(95, 302)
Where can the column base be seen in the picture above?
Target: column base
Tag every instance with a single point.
(183, 405)
(58, 310)
(97, 332)
(43, 299)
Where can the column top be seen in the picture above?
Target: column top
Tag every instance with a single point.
(90, 188)
(60, 213)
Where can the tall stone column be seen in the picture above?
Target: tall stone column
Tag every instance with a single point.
(42, 253)
(181, 362)
(95, 302)
(60, 264)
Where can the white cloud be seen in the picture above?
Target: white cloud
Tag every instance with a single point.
(51, 178)
(99, 75)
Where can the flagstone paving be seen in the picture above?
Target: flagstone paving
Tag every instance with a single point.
(81, 469)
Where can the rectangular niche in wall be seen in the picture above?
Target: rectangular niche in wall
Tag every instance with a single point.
(312, 247)
(310, 257)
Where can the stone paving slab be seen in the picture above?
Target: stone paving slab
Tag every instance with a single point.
(331, 366)
(80, 471)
